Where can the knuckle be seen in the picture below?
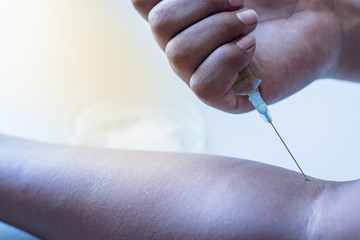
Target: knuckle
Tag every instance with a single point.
(199, 88)
(177, 53)
(158, 19)
(141, 6)
(204, 89)
(137, 3)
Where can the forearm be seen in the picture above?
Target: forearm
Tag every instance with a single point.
(348, 14)
(59, 192)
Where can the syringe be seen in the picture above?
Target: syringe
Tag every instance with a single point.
(246, 85)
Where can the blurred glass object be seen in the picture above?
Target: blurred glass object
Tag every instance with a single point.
(141, 125)
(58, 55)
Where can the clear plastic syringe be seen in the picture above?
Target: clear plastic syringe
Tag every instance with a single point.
(247, 85)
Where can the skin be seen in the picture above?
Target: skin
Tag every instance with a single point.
(63, 192)
(298, 41)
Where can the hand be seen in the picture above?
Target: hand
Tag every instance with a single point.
(207, 44)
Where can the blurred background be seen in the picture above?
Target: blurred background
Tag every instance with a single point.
(89, 73)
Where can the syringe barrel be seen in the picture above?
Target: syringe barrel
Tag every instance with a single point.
(247, 82)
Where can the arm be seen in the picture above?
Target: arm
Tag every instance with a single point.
(61, 192)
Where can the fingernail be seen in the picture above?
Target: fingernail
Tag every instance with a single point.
(236, 3)
(246, 42)
(248, 17)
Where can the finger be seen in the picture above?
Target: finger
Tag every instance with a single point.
(191, 47)
(144, 6)
(213, 80)
(170, 17)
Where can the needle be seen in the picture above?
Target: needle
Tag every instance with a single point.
(259, 104)
(306, 178)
